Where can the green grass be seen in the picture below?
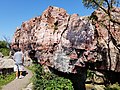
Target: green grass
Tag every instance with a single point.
(5, 79)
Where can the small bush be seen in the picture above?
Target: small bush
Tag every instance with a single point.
(115, 86)
(3, 44)
(5, 51)
(49, 81)
(4, 48)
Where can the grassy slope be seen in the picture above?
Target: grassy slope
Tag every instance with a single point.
(5, 79)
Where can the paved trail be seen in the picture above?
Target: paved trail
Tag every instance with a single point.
(19, 84)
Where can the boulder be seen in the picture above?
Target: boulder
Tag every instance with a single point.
(6, 63)
(66, 42)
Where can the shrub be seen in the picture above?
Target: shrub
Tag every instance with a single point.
(3, 44)
(115, 86)
(5, 51)
(49, 81)
(4, 48)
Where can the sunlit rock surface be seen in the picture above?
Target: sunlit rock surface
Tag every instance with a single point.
(108, 40)
(6, 63)
(66, 42)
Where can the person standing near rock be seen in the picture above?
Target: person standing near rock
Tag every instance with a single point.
(19, 60)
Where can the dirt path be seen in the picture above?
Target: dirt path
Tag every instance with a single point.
(19, 84)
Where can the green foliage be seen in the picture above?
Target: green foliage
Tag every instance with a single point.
(99, 3)
(4, 79)
(115, 86)
(3, 44)
(5, 51)
(93, 17)
(49, 81)
(90, 74)
(105, 5)
(89, 4)
(4, 48)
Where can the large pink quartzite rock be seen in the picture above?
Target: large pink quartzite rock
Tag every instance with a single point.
(65, 41)
(108, 40)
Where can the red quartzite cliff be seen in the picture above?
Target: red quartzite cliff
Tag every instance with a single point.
(65, 41)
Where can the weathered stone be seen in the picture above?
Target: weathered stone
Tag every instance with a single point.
(108, 39)
(6, 63)
(65, 41)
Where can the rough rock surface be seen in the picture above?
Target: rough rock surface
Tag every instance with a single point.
(64, 41)
(108, 40)
(6, 63)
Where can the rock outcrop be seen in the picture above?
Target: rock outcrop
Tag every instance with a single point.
(66, 42)
(108, 39)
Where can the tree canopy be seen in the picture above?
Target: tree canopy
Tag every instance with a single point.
(4, 48)
(101, 3)
(105, 5)
(3, 44)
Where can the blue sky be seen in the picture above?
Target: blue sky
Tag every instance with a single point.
(14, 12)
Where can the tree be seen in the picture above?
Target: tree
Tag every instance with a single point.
(4, 48)
(107, 7)
(103, 4)
(3, 44)
(7, 40)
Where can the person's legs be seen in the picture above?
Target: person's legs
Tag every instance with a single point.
(20, 73)
(16, 71)
(21, 76)
(16, 74)
(21, 69)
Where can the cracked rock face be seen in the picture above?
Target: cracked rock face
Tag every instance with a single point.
(64, 41)
(108, 40)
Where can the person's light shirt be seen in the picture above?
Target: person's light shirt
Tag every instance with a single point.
(18, 56)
